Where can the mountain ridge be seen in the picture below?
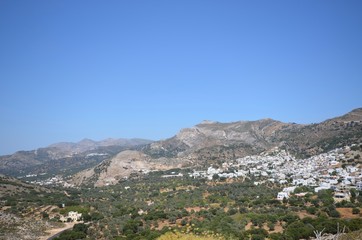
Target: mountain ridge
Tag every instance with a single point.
(209, 142)
(64, 156)
(87, 144)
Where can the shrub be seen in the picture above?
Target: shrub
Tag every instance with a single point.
(299, 230)
(312, 210)
(355, 211)
(334, 213)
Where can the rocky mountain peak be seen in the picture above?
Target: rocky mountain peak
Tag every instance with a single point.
(207, 122)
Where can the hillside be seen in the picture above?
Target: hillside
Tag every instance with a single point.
(10, 186)
(64, 158)
(213, 142)
(25, 209)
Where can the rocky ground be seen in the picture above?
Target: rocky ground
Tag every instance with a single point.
(14, 228)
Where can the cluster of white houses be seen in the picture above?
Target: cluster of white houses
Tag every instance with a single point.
(323, 171)
(71, 217)
(55, 180)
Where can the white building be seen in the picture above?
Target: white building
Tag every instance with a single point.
(323, 186)
(74, 216)
(289, 189)
(282, 195)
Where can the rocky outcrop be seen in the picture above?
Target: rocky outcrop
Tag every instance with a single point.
(121, 166)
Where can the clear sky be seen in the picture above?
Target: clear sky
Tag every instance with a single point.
(96, 69)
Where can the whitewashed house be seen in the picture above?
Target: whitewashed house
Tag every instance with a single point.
(323, 186)
(289, 189)
(73, 216)
(282, 195)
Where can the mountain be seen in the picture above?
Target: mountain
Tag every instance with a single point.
(213, 142)
(65, 157)
(88, 144)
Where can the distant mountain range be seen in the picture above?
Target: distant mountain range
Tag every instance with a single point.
(110, 160)
(213, 142)
(88, 144)
(65, 157)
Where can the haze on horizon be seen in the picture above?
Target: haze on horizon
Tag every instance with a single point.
(145, 69)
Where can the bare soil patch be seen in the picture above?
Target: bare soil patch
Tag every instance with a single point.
(248, 226)
(347, 213)
(304, 214)
(196, 209)
(278, 228)
(205, 194)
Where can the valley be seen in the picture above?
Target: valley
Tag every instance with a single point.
(244, 180)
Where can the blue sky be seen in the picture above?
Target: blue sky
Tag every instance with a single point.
(96, 69)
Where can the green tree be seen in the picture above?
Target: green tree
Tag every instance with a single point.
(299, 230)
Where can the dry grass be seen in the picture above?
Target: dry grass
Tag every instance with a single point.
(189, 236)
(357, 235)
(304, 214)
(347, 213)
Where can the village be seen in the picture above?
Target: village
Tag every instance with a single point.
(334, 170)
(57, 180)
(339, 171)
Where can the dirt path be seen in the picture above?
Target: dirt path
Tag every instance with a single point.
(54, 231)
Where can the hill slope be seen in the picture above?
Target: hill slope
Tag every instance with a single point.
(64, 158)
(10, 186)
(211, 142)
